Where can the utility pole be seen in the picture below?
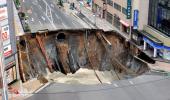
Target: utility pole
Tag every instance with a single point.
(3, 72)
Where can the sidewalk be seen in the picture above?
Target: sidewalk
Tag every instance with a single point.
(99, 22)
(160, 66)
(74, 14)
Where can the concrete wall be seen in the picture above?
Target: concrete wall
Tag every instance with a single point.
(99, 3)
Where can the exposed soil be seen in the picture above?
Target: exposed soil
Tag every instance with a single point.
(78, 53)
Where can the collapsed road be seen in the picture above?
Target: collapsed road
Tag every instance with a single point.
(74, 61)
(67, 51)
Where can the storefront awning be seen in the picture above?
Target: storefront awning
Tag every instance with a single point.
(150, 37)
(152, 41)
(124, 23)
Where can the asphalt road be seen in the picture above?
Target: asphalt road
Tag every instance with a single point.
(45, 14)
(145, 87)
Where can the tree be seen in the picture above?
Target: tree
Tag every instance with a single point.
(17, 3)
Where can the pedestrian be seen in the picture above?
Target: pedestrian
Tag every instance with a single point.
(73, 5)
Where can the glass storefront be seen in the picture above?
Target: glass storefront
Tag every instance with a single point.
(159, 15)
(166, 54)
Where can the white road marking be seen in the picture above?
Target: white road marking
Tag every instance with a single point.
(57, 16)
(34, 2)
(52, 5)
(73, 23)
(40, 23)
(115, 85)
(32, 19)
(39, 6)
(131, 82)
(65, 26)
(43, 18)
(47, 16)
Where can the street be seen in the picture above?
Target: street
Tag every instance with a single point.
(44, 14)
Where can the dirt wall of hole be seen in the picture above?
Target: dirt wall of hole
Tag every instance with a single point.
(67, 49)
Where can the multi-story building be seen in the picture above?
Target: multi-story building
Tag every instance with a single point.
(157, 32)
(9, 40)
(120, 13)
(146, 22)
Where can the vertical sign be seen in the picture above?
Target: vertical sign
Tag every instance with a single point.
(129, 7)
(5, 28)
(5, 35)
(2, 70)
(135, 19)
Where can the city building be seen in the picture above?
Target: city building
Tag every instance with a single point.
(157, 32)
(9, 41)
(145, 22)
(125, 15)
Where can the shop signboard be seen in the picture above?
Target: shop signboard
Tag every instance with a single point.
(5, 32)
(3, 13)
(5, 35)
(135, 19)
(129, 8)
(11, 75)
(3, 2)
(7, 50)
(2, 72)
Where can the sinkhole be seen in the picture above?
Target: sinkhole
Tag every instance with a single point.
(79, 57)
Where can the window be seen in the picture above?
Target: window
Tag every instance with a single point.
(110, 2)
(116, 21)
(159, 15)
(117, 6)
(109, 17)
(124, 10)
